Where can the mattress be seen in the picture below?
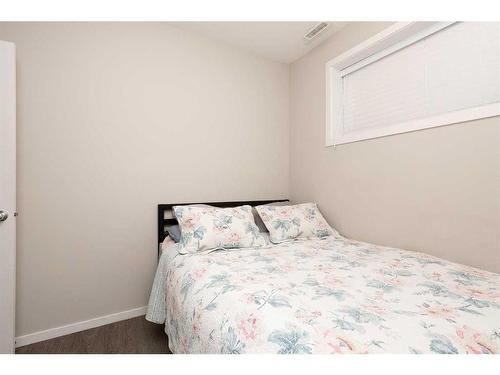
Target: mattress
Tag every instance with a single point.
(333, 295)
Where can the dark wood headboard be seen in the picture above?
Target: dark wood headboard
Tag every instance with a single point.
(171, 220)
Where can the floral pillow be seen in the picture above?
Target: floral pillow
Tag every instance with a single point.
(208, 228)
(301, 221)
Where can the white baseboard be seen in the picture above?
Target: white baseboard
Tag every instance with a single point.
(78, 326)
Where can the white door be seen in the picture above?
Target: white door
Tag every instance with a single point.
(7, 195)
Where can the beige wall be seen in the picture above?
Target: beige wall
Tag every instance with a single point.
(436, 191)
(113, 119)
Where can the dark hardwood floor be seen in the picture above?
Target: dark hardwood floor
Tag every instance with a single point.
(132, 336)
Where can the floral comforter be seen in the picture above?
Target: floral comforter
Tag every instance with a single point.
(324, 296)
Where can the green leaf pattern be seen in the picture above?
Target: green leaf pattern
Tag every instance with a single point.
(301, 221)
(211, 228)
(330, 295)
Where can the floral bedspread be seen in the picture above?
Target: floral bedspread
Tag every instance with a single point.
(324, 296)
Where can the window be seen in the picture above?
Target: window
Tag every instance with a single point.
(413, 76)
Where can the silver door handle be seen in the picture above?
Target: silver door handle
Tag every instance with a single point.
(3, 215)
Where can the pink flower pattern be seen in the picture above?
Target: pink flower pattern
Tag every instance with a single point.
(300, 221)
(211, 228)
(331, 295)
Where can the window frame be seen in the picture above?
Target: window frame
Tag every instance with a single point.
(394, 38)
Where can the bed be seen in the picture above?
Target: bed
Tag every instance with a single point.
(332, 295)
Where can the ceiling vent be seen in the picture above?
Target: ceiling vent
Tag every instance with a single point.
(315, 31)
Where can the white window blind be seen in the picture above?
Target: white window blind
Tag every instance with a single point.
(441, 76)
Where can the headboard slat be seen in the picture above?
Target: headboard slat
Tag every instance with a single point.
(163, 208)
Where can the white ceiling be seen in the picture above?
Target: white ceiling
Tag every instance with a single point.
(278, 41)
